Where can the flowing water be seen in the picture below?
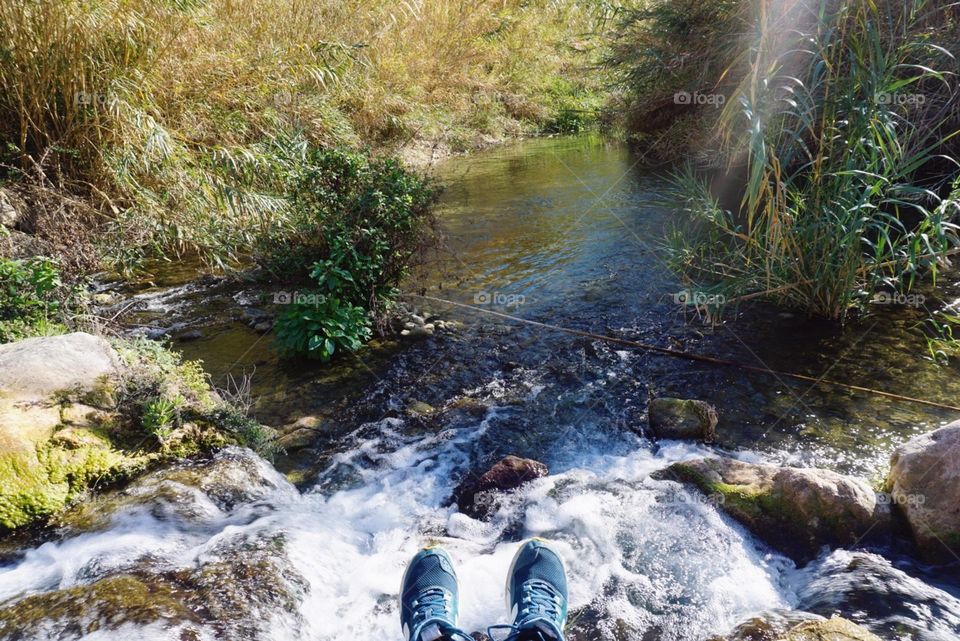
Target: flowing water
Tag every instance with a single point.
(562, 231)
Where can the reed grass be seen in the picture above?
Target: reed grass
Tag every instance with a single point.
(844, 119)
(178, 119)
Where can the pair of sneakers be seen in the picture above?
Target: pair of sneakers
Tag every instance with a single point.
(536, 595)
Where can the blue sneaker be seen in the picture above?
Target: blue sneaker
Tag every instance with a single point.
(429, 598)
(537, 594)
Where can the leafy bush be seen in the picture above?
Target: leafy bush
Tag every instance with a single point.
(32, 298)
(356, 223)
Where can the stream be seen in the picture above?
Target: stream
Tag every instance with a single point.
(562, 231)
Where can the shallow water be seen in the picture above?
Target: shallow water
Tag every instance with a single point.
(562, 231)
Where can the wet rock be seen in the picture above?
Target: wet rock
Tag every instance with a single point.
(676, 418)
(300, 434)
(795, 510)
(834, 629)
(469, 406)
(263, 327)
(784, 626)
(190, 335)
(239, 589)
(189, 491)
(418, 331)
(924, 484)
(419, 408)
(41, 366)
(104, 299)
(474, 494)
(896, 604)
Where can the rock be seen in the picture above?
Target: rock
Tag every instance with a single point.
(419, 408)
(190, 335)
(869, 586)
(263, 327)
(924, 483)
(300, 434)
(189, 491)
(784, 626)
(833, 629)
(9, 214)
(245, 586)
(677, 418)
(418, 332)
(795, 510)
(38, 367)
(511, 472)
(104, 299)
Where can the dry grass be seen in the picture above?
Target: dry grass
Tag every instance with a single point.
(178, 118)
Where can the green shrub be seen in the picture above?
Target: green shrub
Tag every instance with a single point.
(32, 298)
(356, 223)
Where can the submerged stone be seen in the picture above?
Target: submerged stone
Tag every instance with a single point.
(474, 495)
(676, 418)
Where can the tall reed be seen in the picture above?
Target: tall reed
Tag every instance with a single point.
(841, 125)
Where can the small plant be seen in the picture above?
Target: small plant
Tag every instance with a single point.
(161, 415)
(32, 298)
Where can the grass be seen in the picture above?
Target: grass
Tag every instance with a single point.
(168, 126)
(838, 138)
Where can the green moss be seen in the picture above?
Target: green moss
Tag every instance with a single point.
(162, 410)
(108, 603)
(34, 485)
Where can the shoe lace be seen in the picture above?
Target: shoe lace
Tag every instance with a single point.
(432, 602)
(538, 599)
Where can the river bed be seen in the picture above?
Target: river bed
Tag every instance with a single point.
(561, 231)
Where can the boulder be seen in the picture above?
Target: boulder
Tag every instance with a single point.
(795, 510)
(796, 625)
(924, 485)
(38, 367)
(677, 418)
(833, 629)
(474, 494)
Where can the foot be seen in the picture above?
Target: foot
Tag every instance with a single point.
(429, 596)
(537, 593)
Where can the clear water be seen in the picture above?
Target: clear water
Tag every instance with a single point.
(571, 227)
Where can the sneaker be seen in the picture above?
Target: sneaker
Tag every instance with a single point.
(429, 598)
(537, 593)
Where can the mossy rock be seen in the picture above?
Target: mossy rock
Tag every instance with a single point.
(676, 418)
(795, 510)
(84, 609)
(35, 485)
(835, 629)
